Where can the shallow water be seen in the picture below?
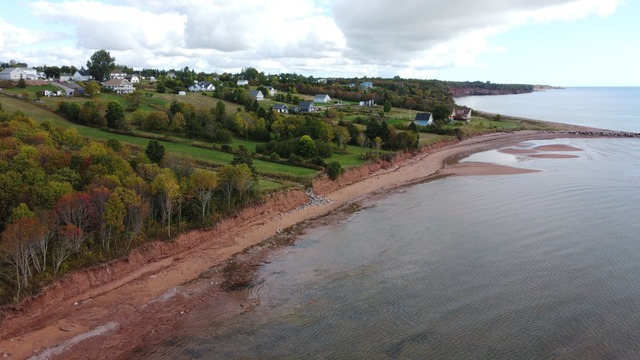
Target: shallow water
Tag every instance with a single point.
(613, 108)
(537, 265)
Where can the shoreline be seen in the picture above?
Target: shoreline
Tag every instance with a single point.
(165, 284)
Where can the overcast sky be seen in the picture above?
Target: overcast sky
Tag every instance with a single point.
(554, 42)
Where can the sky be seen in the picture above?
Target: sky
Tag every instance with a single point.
(550, 42)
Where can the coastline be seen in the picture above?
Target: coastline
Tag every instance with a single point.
(162, 284)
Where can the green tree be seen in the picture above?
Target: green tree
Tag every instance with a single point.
(92, 88)
(133, 100)
(155, 151)
(161, 88)
(334, 170)
(387, 106)
(100, 65)
(440, 112)
(22, 84)
(115, 115)
(306, 147)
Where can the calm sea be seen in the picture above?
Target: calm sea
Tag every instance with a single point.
(613, 108)
(541, 265)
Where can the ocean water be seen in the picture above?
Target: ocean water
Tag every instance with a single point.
(542, 265)
(613, 108)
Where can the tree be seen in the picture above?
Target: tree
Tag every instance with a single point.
(15, 248)
(306, 147)
(334, 170)
(115, 115)
(342, 136)
(155, 151)
(166, 189)
(440, 112)
(22, 84)
(133, 101)
(203, 185)
(92, 88)
(387, 106)
(100, 65)
(161, 88)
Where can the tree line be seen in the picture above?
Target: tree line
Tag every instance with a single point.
(66, 202)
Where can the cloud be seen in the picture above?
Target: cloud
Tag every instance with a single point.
(438, 33)
(319, 37)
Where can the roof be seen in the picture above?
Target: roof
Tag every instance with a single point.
(461, 111)
(254, 93)
(116, 82)
(423, 116)
(204, 84)
(305, 104)
(279, 106)
(321, 95)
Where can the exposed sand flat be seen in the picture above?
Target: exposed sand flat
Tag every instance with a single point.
(557, 147)
(476, 168)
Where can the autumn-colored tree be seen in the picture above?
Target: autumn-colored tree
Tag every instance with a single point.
(166, 189)
(65, 245)
(76, 210)
(203, 185)
(15, 249)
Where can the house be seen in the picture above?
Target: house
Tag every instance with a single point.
(424, 119)
(171, 75)
(19, 73)
(242, 82)
(281, 108)
(117, 74)
(461, 114)
(119, 86)
(366, 84)
(81, 75)
(201, 86)
(321, 98)
(367, 102)
(134, 79)
(272, 91)
(306, 106)
(151, 78)
(66, 77)
(182, 93)
(257, 94)
(72, 89)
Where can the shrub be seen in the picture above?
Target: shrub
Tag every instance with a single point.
(334, 170)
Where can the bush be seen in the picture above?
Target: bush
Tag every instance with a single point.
(334, 170)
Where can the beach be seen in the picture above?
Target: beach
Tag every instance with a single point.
(106, 312)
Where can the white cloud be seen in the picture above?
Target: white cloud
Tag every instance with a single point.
(316, 37)
(440, 33)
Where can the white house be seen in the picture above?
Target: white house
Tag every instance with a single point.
(119, 86)
(201, 86)
(134, 79)
(242, 82)
(66, 76)
(281, 108)
(19, 73)
(272, 91)
(256, 94)
(81, 75)
(461, 114)
(366, 84)
(117, 74)
(321, 98)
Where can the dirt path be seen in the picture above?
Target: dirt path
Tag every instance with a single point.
(143, 303)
